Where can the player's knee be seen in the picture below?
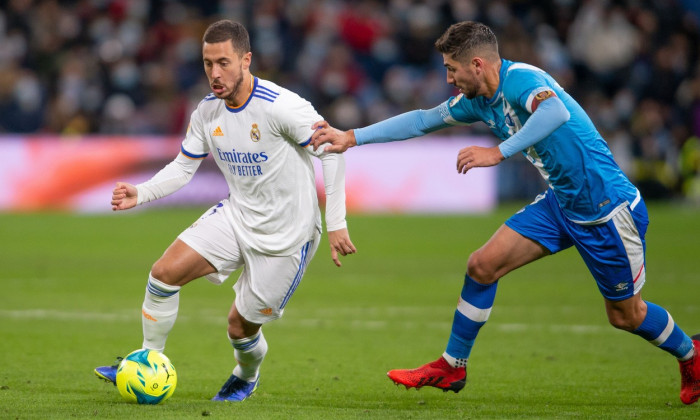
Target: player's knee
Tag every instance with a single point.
(620, 323)
(164, 273)
(480, 270)
(239, 327)
(235, 331)
(623, 320)
(626, 315)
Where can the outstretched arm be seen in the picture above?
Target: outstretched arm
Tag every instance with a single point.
(171, 178)
(548, 116)
(401, 127)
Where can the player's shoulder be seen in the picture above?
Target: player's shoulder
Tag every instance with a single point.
(266, 90)
(522, 77)
(209, 102)
(515, 67)
(280, 97)
(518, 74)
(207, 108)
(283, 103)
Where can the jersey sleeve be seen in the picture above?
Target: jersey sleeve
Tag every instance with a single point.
(527, 88)
(195, 145)
(458, 110)
(293, 117)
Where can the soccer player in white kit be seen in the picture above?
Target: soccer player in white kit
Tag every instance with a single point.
(270, 224)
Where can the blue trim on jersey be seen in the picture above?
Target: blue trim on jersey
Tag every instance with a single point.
(209, 97)
(306, 143)
(265, 93)
(268, 91)
(192, 155)
(265, 98)
(247, 101)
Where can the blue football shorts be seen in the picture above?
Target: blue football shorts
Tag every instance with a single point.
(614, 251)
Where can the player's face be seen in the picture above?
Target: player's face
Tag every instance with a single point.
(226, 71)
(463, 76)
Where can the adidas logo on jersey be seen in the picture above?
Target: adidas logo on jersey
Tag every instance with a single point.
(217, 132)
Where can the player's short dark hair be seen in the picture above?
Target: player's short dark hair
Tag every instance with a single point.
(227, 30)
(465, 39)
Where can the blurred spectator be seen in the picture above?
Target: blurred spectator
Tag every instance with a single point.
(134, 67)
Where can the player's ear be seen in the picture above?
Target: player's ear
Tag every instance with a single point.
(246, 59)
(477, 63)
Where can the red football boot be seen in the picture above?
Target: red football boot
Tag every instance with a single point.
(438, 374)
(690, 375)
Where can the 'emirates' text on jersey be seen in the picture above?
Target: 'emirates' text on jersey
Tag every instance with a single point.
(260, 148)
(574, 160)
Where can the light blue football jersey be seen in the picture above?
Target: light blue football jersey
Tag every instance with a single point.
(574, 160)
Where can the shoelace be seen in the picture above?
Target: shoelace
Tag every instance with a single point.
(117, 362)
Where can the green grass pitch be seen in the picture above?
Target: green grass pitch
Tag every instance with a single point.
(72, 287)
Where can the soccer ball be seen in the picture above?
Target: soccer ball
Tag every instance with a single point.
(146, 377)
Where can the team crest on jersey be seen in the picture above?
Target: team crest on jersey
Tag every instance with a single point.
(255, 133)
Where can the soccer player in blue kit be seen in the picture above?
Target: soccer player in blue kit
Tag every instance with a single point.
(590, 203)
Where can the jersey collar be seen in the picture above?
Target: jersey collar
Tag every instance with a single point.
(239, 108)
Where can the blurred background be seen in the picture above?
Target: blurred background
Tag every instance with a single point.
(93, 91)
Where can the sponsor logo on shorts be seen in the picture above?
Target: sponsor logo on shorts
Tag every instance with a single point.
(621, 286)
(266, 311)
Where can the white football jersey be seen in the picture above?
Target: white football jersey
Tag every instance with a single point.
(260, 148)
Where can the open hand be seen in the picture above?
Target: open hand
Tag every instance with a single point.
(336, 141)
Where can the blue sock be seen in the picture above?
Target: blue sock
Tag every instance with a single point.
(472, 312)
(659, 329)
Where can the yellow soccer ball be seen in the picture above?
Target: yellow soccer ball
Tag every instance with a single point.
(146, 377)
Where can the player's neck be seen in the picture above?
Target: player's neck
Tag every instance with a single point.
(243, 92)
(493, 78)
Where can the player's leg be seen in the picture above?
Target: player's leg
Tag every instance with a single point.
(262, 292)
(207, 248)
(526, 236)
(503, 253)
(615, 254)
(249, 350)
(179, 265)
(653, 323)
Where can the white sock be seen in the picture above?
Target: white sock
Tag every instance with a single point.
(249, 353)
(158, 313)
(455, 362)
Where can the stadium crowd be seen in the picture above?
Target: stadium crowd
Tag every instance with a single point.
(134, 67)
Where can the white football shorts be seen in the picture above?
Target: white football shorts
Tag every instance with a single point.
(266, 283)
